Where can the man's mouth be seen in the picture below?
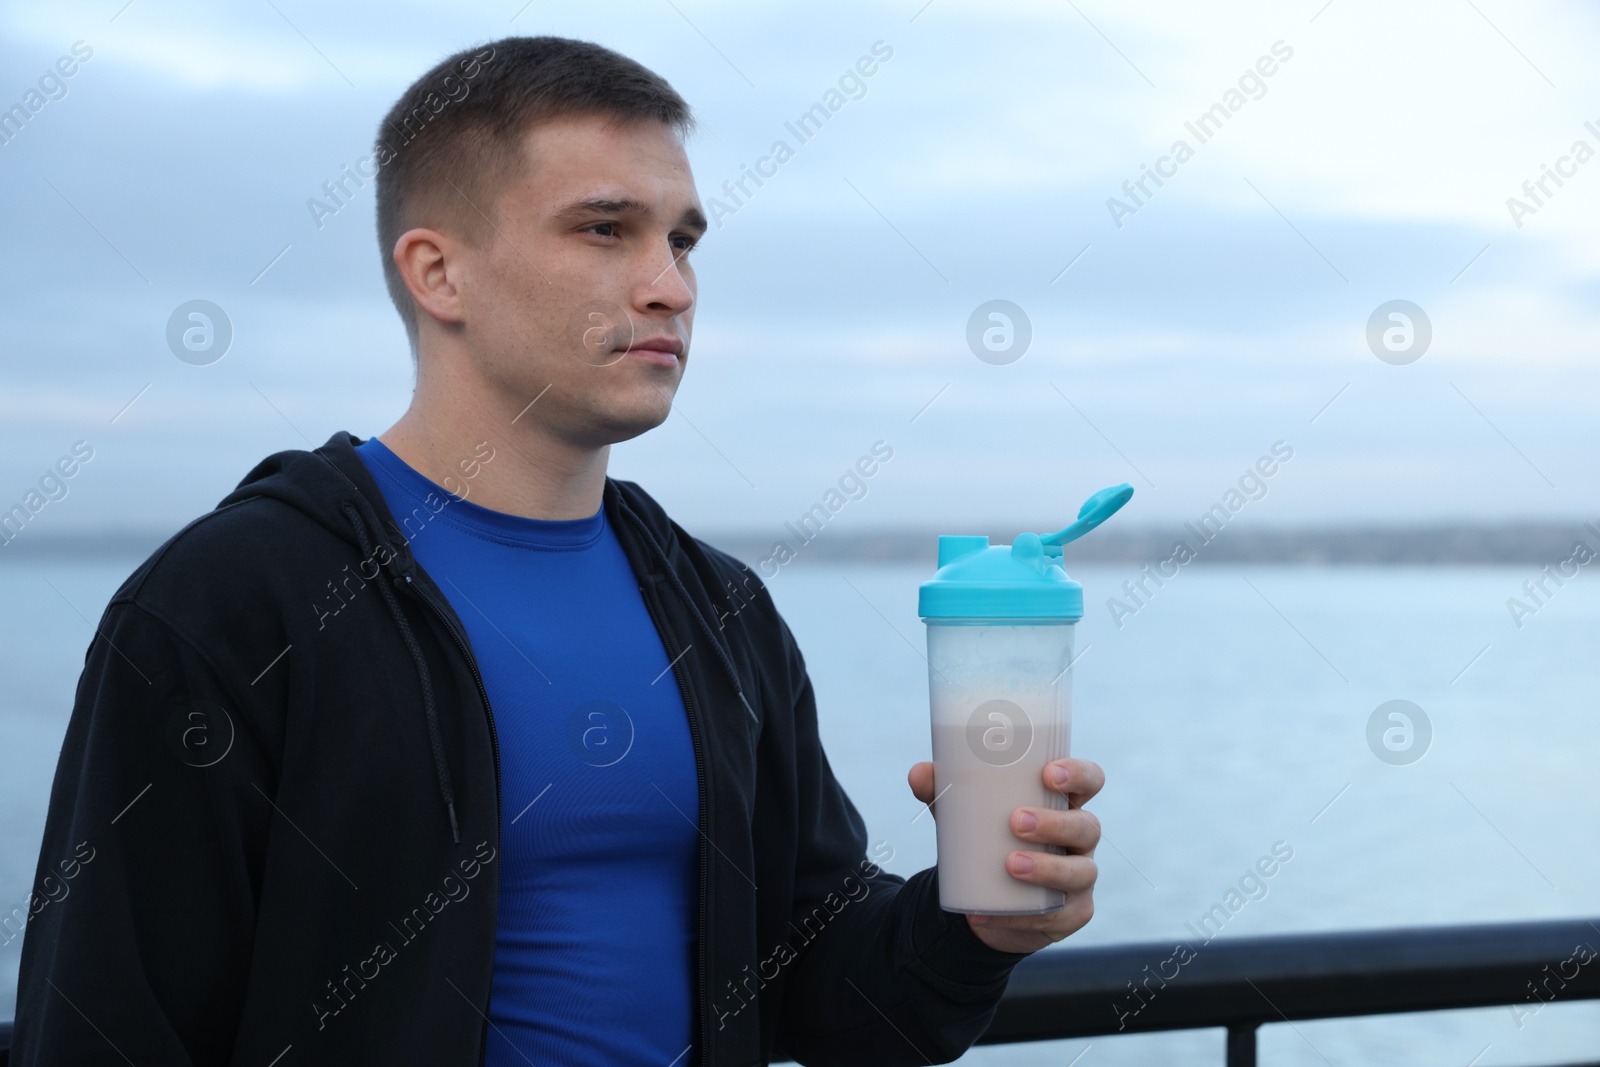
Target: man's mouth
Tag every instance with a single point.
(663, 351)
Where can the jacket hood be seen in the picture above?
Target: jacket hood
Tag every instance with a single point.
(325, 482)
(321, 484)
(332, 486)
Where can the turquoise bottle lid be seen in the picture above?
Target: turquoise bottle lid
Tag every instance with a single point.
(1022, 580)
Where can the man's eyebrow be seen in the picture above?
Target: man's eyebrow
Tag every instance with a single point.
(695, 219)
(692, 217)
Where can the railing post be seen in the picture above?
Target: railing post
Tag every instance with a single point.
(1242, 1045)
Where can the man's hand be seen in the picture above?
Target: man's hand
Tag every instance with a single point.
(1076, 830)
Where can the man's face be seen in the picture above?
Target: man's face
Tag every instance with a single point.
(584, 298)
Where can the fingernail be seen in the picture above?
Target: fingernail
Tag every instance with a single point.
(1027, 822)
(1021, 863)
(1060, 774)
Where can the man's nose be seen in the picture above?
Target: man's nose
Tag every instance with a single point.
(665, 288)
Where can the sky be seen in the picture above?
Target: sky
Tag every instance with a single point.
(1176, 333)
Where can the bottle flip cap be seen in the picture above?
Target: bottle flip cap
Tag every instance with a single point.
(1022, 580)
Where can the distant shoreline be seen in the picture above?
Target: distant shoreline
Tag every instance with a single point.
(1420, 544)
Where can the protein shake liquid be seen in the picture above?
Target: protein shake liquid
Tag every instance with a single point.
(1002, 709)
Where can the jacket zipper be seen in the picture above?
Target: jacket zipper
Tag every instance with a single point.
(705, 856)
(494, 744)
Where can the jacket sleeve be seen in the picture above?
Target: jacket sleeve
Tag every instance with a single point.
(892, 978)
(137, 942)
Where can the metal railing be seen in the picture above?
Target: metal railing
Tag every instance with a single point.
(1241, 983)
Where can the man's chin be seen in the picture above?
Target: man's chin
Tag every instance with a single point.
(615, 427)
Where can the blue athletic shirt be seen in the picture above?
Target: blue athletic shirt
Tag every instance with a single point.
(599, 816)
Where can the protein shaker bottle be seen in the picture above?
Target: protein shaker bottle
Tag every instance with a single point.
(1001, 620)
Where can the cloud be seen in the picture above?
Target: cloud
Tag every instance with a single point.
(1222, 315)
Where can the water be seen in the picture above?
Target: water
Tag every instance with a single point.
(1230, 713)
(1225, 727)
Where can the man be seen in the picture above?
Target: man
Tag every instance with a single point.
(444, 747)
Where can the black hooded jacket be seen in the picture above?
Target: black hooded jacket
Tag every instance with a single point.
(273, 836)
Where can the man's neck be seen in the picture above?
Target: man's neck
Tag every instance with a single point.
(519, 470)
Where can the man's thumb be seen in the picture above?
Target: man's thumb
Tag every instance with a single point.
(920, 779)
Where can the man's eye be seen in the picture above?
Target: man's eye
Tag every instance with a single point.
(602, 226)
(684, 243)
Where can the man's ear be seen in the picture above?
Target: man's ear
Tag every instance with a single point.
(430, 263)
